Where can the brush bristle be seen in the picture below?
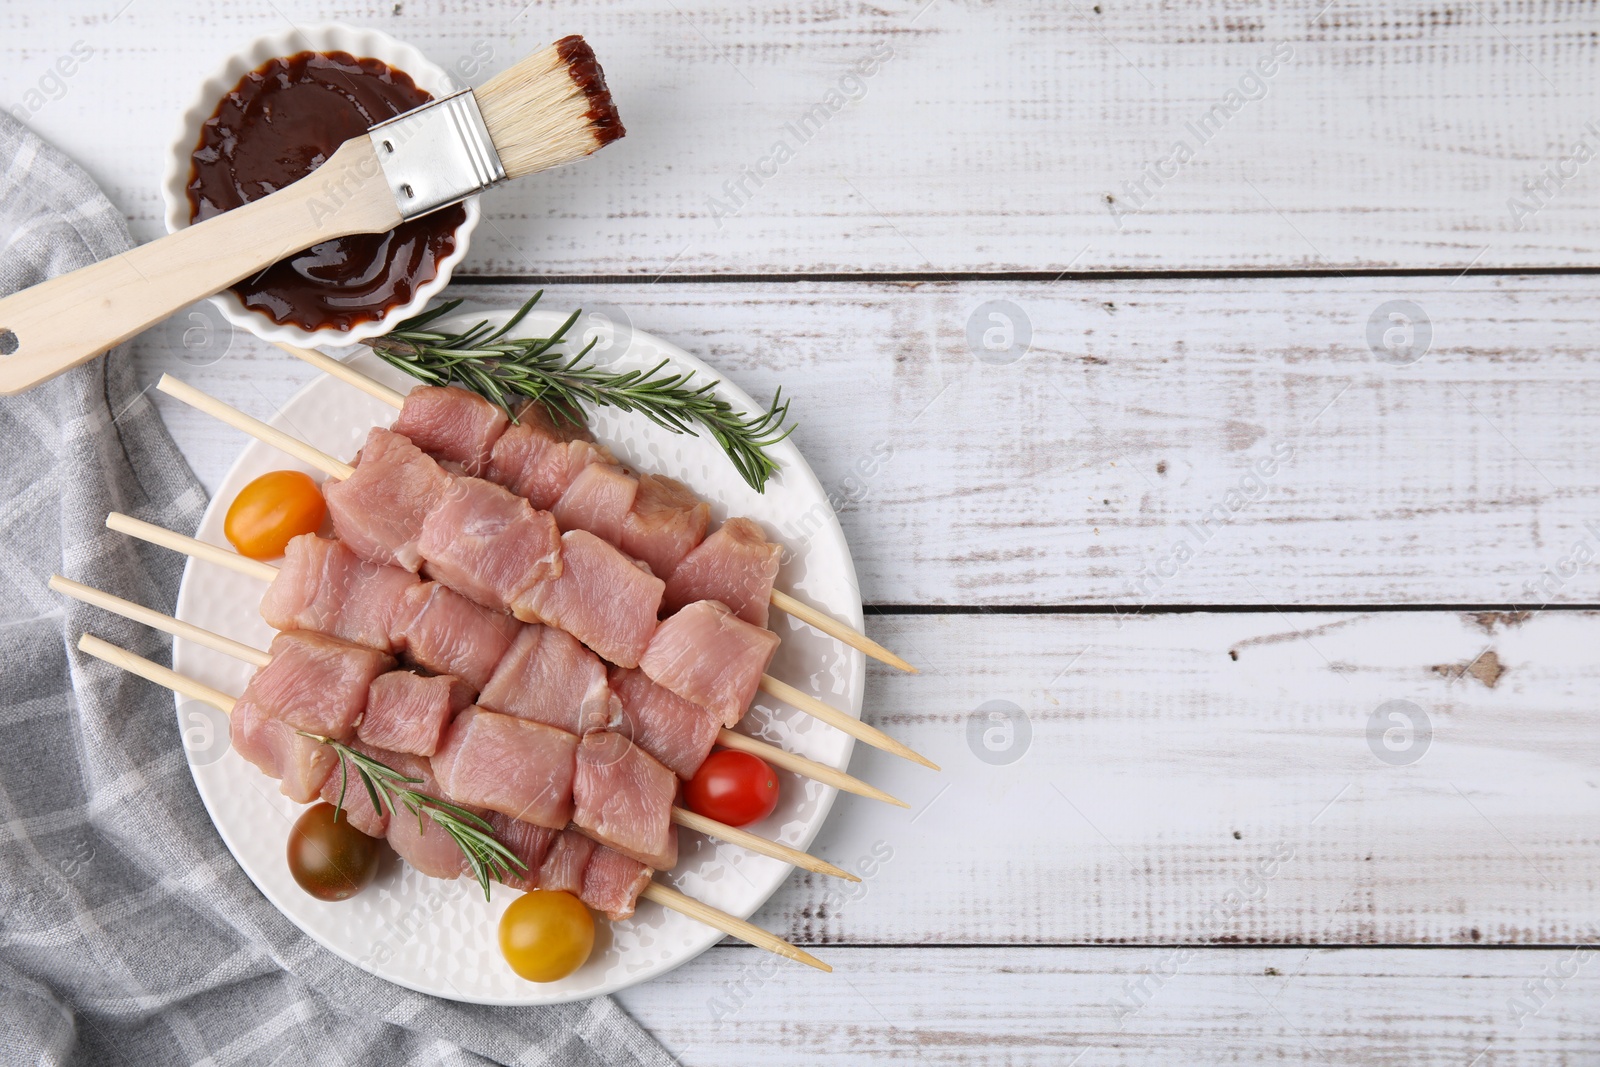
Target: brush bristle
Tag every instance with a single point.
(550, 109)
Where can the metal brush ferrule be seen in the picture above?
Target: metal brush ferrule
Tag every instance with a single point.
(437, 154)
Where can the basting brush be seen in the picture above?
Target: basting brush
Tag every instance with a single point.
(552, 108)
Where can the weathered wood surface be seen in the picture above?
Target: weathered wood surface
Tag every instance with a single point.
(987, 137)
(1119, 462)
(1255, 777)
(1100, 1007)
(1202, 780)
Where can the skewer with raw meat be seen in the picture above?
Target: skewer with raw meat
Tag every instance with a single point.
(398, 506)
(664, 895)
(331, 688)
(541, 674)
(561, 469)
(617, 793)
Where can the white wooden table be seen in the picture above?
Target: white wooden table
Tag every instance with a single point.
(1259, 625)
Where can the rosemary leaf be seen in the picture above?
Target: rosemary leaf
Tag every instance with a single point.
(486, 857)
(502, 369)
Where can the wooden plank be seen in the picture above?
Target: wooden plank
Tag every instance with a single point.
(1256, 777)
(1120, 461)
(985, 138)
(1057, 1006)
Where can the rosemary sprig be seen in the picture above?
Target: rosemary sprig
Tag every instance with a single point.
(499, 367)
(486, 857)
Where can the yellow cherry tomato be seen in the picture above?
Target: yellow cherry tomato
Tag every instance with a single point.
(546, 935)
(272, 509)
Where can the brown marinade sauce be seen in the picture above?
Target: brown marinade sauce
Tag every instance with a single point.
(280, 123)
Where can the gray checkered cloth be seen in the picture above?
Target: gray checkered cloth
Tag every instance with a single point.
(128, 934)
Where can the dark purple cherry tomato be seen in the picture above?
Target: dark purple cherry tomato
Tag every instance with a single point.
(329, 858)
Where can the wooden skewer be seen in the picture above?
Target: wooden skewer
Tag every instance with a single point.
(334, 468)
(157, 621)
(189, 546)
(266, 572)
(255, 656)
(818, 772)
(834, 628)
(664, 895)
(149, 670)
(834, 717)
(232, 416)
(690, 820)
(335, 368)
(750, 933)
(782, 601)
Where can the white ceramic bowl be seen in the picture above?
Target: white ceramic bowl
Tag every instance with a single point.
(325, 38)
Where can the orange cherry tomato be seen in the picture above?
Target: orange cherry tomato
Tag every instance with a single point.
(731, 787)
(272, 509)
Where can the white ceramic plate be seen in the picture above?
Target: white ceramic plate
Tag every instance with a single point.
(440, 937)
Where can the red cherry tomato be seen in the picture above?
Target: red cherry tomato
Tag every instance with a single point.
(733, 787)
(272, 509)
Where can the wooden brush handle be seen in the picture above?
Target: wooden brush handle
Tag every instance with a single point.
(58, 324)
